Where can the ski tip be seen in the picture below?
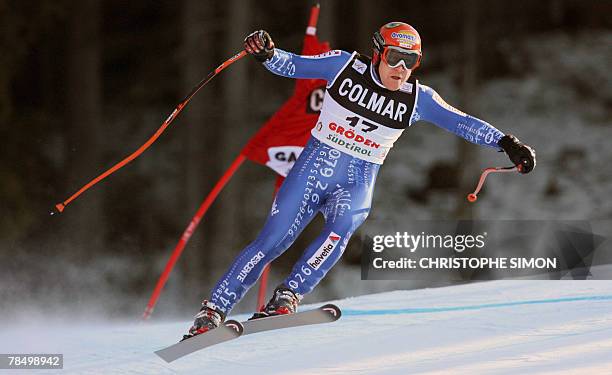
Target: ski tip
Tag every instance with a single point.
(333, 310)
(235, 325)
(162, 355)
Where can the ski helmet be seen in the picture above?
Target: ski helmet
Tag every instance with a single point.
(399, 35)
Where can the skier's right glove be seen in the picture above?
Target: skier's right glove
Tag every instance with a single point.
(260, 45)
(521, 155)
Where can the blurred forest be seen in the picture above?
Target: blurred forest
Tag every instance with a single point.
(85, 83)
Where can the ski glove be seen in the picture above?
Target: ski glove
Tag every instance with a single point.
(260, 45)
(521, 155)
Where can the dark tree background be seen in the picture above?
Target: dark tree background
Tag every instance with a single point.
(85, 83)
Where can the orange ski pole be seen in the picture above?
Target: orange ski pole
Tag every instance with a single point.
(61, 206)
(472, 197)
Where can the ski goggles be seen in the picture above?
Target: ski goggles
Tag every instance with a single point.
(396, 56)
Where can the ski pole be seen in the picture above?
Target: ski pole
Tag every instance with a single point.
(472, 197)
(193, 224)
(61, 206)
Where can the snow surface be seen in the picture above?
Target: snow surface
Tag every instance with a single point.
(500, 327)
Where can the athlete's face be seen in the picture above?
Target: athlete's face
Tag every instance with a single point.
(393, 78)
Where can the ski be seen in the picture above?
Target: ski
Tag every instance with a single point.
(233, 329)
(228, 331)
(324, 314)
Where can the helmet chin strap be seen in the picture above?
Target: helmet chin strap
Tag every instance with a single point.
(376, 62)
(376, 74)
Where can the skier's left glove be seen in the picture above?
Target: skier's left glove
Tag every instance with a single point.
(260, 45)
(521, 155)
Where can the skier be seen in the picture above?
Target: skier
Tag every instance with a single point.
(368, 104)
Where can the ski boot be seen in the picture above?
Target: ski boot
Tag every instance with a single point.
(283, 301)
(209, 317)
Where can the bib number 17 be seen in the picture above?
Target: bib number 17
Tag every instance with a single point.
(367, 125)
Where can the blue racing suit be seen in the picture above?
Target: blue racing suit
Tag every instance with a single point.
(336, 172)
